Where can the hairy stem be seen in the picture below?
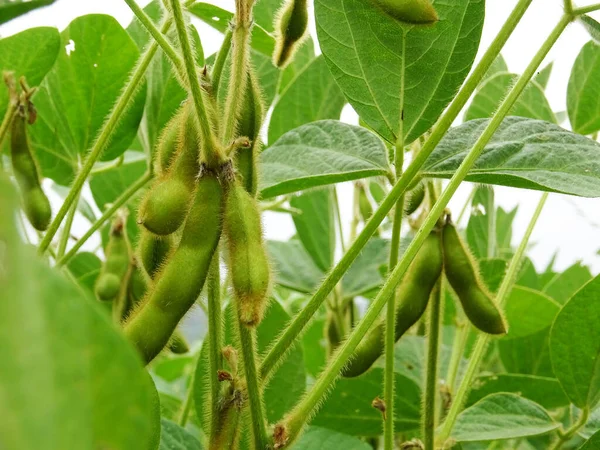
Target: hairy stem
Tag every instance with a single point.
(217, 69)
(64, 238)
(215, 342)
(458, 348)
(586, 9)
(8, 117)
(296, 327)
(483, 339)
(431, 381)
(135, 81)
(187, 405)
(123, 199)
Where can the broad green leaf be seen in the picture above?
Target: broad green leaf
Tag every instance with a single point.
(173, 437)
(523, 153)
(504, 225)
(532, 103)
(318, 154)
(563, 285)
(219, 19)
(80, 91)
(528, 277)
(502, 416)
(592, 27)
(492, 272)
(302, 58)
(348, 408)
(528, 312)
(583, 91)
(31, 54)
(85, 267)
(543, 390)
(499, 65)
(173, 367)
(481, 228)
(529, 355)
(312, 96)
(365, 273)
(264, 13)
(367, 49)
(592, 443)
(575, 346)
(314, 345)
(317, 438)
(543, 76)
(67, 376)
(10, 9)
(293, 266)
(316, 225)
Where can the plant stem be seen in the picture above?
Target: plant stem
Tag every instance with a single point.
(568, 6)
(295, 328)
(338, 218)
(211, 151)
(103, 139)
(483, 339)
(187, 405)
(64, 238)
(431, 382)
(458, 349)
(568, 434)
(124, 198)
(586, 9)
(159, 37)
(217, 69)
(215, 332)
(8, 117)
(257, 414)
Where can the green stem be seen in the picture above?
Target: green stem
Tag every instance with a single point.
(338, 218)
(458, 349)
(217, 69)
(187, 405)
(211, 151)
(104, 137)
(564, 436)
(159, 37)
(215, 332)
(124, 198)
(483, 339)
(295, 328)
(109, 166)
(8, 117)
(64, 238)
(431, 381)
(568, 6)
(586, 9)
(257, 413)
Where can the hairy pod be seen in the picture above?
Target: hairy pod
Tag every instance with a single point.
(35, 203)
(364, 204)
(248, 262)
(414, 198)
(332, 333)
(412, 297)
(153, 251)
(418, 12)
(181, 280)
(178, 344)
(463, 275)
(291, 25)
(249, 125)
(118, 258)
(168, 141)
(165, 206)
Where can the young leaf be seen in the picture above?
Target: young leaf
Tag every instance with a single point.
(575, 346)
(79, 92)
(172, 437)
(583, 101)
(524, 153)
(499, 65)
(502, 416)
(528, 311)
(528, 355)
(10, 9)
(366, 50)
(318, 154)
(317, 438)
(543, 76)
(592, 27)
(563, 285)
(313, 95)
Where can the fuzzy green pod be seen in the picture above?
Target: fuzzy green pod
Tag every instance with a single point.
(168, 141)
(463, 275)
(165, 206)
(35, 203)
(291, 26)
(152, 252)
(414, 198)
(116, 266)
(412, 297)
(418, 12)
(181, 280)
(178, 344)
(248, 262)
(364, 204)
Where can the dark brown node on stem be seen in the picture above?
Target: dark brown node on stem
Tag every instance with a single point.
(280, 436)
(223, 375)
(379, 404)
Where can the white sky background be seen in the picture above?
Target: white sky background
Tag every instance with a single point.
(568, 224)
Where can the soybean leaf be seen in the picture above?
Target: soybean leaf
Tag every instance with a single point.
(583, 90)
(563, 285)
(499, 65)
(543, 390)
(316, 225)
(575, 346)
(528, 312)
(302, 58)
(365, 273)
(174, 437)
(592, 27)
(367, 61)
(79, 92)
(294, 267)
(314, 345)
(528, 355)
(312, 96)
(592, 425)
(543, 76)
(492, 272)
(592, 443)
(318, 154)
(264, 11)
(10, 9)
(481, 228)
(348, 408)
(528, 276)
(30, 53)
(523, 153)
(82, 205)
(172, 368)
(85, 267)
(532, 103)
(219, 19)
(502, 416)
(86, 376)
(504, 223)
(317, 438)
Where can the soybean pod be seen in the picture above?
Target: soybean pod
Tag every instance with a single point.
(291, 26)
(168, 142)
(118, 257)
(181, 280)
(462, 273)
(412, 297)
(152, 252)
